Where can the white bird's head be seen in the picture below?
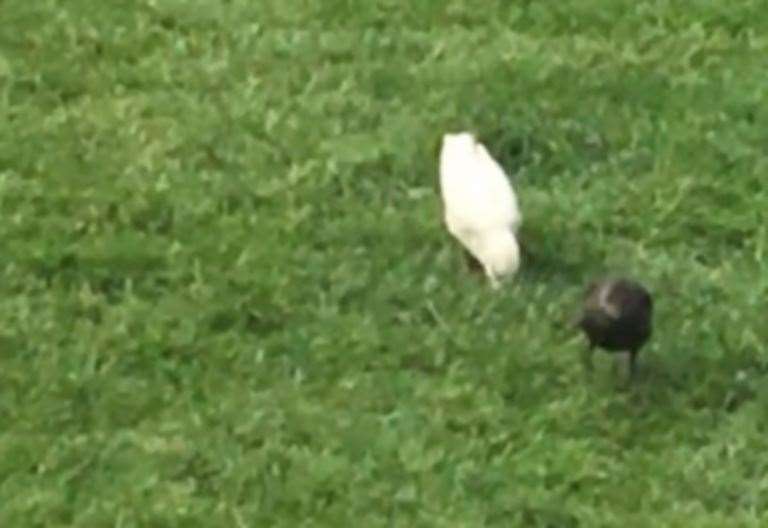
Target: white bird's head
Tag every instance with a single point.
(501, 254)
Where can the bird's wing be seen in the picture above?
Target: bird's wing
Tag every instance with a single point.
(476, 192)
(610, 306)
(497, 186)
(599, 300)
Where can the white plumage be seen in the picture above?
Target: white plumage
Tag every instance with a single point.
(481, 209)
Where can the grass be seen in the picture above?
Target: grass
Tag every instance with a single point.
(227, 298)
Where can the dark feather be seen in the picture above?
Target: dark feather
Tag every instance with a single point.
(617, 315)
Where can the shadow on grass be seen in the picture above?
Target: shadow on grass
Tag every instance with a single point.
(678, 390)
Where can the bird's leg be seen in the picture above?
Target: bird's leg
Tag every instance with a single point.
(632, 364)
(588, 357)
(627, 358)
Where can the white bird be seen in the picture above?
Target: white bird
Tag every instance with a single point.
(481, 208)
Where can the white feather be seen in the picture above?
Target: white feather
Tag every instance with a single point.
(481, 208)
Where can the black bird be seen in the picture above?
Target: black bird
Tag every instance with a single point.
(617, 317)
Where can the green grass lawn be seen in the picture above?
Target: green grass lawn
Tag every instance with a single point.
(227, 298)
